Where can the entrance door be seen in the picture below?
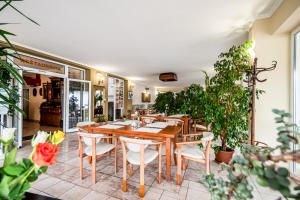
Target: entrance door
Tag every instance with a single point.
(78, 103)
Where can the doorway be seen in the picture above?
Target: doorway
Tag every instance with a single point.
(43, 104)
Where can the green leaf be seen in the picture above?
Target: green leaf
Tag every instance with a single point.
(283, 171)
(10, 158)
(4, 188)
(14, 170)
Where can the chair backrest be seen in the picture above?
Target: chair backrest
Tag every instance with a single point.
(134, 144)
(207, 138)
(89, 123)
(148, 120)
(87, 137)
(173, 122)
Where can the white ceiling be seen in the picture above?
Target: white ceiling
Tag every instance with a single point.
(138, 39)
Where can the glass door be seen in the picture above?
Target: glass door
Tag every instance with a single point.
(78, 103)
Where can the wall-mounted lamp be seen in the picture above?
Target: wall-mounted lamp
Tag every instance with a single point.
(146, 96)
(100, 78)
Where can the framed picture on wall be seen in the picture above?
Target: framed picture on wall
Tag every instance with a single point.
(130, 95)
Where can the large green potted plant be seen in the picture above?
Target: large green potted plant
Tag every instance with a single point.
(227, 101)
(194, 101)
(164, 103)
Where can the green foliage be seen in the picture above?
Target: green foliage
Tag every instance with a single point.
(101, 118)
(263, 163)
(164, 103)
(227, 100)
(194, 101)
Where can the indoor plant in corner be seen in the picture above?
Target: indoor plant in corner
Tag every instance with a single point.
(227, 101)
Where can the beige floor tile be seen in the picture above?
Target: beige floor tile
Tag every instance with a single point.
(196, 194)
(95, 196)
(43, 184)
(76, 193)
(152, 196)
(59, 188)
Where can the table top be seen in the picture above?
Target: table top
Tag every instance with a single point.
(167, 132)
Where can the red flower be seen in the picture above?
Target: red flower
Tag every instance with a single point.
(45, 154)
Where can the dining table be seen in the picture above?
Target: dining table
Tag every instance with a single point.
(161, 132)
(185, 118)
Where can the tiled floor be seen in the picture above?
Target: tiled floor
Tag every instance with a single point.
(31, 127)
(62, 180)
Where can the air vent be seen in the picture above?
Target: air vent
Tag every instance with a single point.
(166, 77)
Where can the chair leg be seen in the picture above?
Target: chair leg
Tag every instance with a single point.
(94, 160)
(142, 187)
(116, 156)
(81, 166)
(183, 163)
(124, 173)
(207, 167)
(159, 164)
(179, 169)
(130, 170)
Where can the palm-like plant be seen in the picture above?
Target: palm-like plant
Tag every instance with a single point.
(9, 71)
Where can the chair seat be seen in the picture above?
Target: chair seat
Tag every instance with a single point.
(199, 126)
(101, 148)
(192, 151)
(134, 157)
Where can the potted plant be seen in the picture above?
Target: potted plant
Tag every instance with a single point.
(164, 103)
(227, 101)
(193, 103)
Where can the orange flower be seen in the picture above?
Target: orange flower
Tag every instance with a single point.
(45, 154)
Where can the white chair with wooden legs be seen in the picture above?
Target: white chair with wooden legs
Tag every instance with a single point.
(93, 148)
(138, 154)
(147, 120)
(190, 150)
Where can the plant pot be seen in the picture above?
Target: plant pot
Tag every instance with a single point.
(224, 156)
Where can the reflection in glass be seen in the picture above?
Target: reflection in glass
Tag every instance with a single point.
(78, 103)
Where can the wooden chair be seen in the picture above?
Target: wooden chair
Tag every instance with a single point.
(93, 148)
(198, 126)
(147, 120)
(138, 154)
(191, 150)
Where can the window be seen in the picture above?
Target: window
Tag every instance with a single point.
(296, 86)
(75, 73)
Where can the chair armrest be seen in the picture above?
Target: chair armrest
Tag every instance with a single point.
(191, 142)
(193, 134)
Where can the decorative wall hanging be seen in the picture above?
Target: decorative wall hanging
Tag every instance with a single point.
(41, 91)
(34, 92)
(146, 96)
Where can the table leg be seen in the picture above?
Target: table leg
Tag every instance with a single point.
(168, 159)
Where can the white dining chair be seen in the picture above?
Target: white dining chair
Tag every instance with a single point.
(93, 148)
(148, 120)
(139, 154)
(190, 150)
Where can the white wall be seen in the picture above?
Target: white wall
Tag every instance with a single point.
(271, 44)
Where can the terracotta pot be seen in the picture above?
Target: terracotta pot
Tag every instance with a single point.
(224, 156)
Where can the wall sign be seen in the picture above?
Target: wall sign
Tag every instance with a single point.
(28, 61)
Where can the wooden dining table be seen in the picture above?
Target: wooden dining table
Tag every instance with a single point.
(186, 120)
(168, 135)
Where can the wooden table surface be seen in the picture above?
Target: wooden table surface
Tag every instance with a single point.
(185, 119)
(167, 134)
